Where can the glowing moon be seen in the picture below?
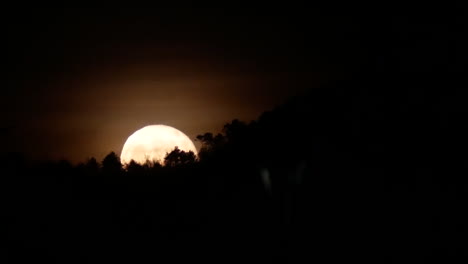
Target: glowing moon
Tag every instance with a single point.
(153, 142)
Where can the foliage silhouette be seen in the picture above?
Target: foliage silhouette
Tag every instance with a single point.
(91, 167)
(111, 164)
(179, 157)
(210, 145)
(135, 168)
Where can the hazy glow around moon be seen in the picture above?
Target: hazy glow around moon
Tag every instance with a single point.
(153, 142)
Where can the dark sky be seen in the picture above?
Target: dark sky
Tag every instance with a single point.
(80, 81)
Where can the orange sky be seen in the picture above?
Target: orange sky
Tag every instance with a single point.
(81, 81)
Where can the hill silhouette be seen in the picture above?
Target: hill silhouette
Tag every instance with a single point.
(345, 171)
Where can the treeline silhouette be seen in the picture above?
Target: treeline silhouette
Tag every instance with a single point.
(345, 171)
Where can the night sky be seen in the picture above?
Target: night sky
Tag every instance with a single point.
(357, 149)
(78, 82)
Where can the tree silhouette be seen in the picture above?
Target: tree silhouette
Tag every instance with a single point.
(179, 157)
(235, 130)
(134, 168)
(92, 166)
(210, 145)
(111, 164)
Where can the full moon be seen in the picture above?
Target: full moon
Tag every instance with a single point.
(153, 143)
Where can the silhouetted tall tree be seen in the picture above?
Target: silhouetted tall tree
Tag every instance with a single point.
(235, 130)
(92, 166)
(210, 144)
(111, 164)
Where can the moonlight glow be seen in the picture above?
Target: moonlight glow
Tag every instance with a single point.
(153, 142)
